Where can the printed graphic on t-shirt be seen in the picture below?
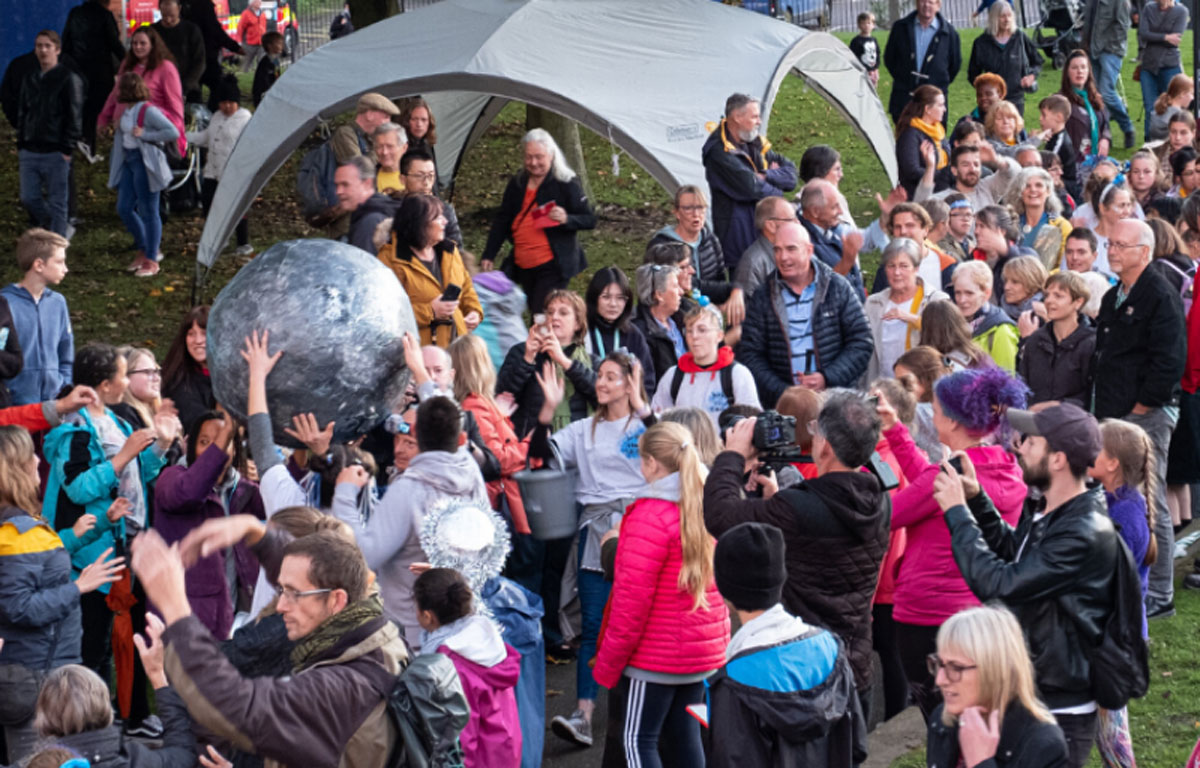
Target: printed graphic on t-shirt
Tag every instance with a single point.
(629, 446)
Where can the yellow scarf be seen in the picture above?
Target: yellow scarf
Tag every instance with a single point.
(936, 133)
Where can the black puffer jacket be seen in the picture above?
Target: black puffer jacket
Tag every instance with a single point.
(192, 394)
(836, 528)
(50, 115)
(517, 377)
(108, 747)
(1141, 348)
(568, 195)
(1060, 589)
(841, 335)
(1057, 370)
(1024, 742)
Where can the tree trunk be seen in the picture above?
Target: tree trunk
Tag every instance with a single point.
(366, 12)
(566, 132)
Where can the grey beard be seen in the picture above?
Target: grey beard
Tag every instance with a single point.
(748, 136)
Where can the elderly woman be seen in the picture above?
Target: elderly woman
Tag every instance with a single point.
(1003, 49)
(1024, 278)
(1088, 126)
(542, 209)
(74, 711)
(991, 328)
(1005, 128)
(983, 670)
(658, 316)
(432, 271)
(894, 313)
(822, 161)
(1039, 215)
(918, 131)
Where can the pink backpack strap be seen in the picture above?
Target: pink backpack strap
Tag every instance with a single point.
(141, 118)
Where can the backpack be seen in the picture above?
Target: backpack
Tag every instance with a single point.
(726, 382)
(314, 179)
(1120, 664)
(428, 708)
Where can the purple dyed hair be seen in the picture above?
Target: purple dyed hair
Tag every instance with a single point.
(978, 397)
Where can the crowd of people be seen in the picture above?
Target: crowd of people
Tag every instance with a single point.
(773, 464)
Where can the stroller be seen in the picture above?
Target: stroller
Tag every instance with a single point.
(183, 194)
(1060, 31)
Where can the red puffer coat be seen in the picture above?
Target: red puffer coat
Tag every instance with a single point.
(650, 623)
(497, 433)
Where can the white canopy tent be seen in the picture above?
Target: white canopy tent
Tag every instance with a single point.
(647, 75)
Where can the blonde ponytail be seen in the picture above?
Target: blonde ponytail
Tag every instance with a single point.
(671, 445)
(1149, 489)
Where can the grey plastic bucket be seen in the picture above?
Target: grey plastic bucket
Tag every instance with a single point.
(549, 497)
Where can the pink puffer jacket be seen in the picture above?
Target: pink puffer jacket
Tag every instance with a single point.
(651, 624)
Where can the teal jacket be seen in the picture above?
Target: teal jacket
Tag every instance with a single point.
(82, 481)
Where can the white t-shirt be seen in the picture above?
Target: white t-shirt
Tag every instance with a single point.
(703, 390)
(892, 334)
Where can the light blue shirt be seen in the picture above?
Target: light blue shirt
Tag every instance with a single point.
(799, 320)
(924, 36)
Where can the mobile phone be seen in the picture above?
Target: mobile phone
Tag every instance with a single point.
(452, 292)
(956, 462)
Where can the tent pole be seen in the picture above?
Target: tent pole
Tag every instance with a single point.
(199, 279)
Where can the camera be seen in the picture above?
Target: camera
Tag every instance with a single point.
(773, 430)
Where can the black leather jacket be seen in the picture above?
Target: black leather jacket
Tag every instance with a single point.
(50, 115)
(1059, 587)
(1025, 742)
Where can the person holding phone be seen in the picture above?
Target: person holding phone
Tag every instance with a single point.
(543, 207)
(432, 271)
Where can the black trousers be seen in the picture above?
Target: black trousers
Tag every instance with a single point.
(208, 188)
(1080, 733)
(895, 683)
(538, 282)
(915, 642)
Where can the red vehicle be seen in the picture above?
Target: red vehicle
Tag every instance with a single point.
(280, 15)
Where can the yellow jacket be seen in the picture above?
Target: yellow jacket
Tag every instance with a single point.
(422, 289)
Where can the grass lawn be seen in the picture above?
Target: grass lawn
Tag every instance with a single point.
(109, 305)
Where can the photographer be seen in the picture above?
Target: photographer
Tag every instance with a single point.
(835, 525)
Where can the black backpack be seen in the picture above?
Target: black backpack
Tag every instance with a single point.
(314, 178)
(428, 708)
(1120, 664)
(726, 382)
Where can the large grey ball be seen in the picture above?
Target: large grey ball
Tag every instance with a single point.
(339, 316)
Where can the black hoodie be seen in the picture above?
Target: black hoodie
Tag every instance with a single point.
(836, 529)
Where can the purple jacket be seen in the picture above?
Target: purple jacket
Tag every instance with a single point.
(184, 498)
(492, 738)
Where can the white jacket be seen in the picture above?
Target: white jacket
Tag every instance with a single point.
(220, 137)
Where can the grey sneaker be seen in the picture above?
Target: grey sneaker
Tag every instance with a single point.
(150, 728)
(575, 729)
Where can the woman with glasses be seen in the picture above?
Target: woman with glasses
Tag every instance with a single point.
(991, 714)
(894, 313)
(542, 210)
(707, 259)
(707, 377)
(968, 409)
(609, 301)
(959, 240)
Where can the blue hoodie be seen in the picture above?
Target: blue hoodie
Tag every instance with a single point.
(47, 342)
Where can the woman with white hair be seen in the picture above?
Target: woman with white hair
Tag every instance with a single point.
(543, 207)
(1039, 215)
(1005, 50)
(991, 714)
(894, 313)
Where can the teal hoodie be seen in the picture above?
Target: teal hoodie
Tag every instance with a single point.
(82, 481)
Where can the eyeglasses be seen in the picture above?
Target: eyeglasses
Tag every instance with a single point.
(1115, 244)
(293, 595)
(783, 219)
(428, 176)
(153, 373)
(954, 672)
(814, 428)
(693, 208)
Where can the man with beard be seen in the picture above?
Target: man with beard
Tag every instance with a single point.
(741, 169)
(1055, 571)
(966, 165)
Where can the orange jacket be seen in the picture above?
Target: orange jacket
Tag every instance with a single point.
(497, 433)
(252, 27)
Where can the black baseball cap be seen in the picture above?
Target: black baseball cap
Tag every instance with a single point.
(1066, 427)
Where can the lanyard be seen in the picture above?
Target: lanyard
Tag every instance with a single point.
(600, 342)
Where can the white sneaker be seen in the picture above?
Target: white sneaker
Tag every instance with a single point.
(245, 250)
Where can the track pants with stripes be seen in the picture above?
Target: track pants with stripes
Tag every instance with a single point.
(649, 726)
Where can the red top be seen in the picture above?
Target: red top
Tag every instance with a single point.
(252, 27)
(531, 248)
(1191, 371)
(28, 416)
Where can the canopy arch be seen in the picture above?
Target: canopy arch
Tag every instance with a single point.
(650, 76)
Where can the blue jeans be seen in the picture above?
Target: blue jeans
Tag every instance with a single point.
(138, 206)
(44, 188)
(593, 595)
(1154, 85)
(1108, 74)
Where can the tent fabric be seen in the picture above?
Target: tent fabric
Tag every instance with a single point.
(652, 77)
